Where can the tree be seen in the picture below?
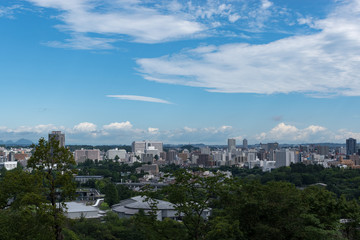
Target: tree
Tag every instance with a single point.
(53, 167)
(111, 194)
(23, 207)
(192, 196)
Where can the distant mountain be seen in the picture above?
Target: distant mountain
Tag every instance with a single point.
(23, 142)
(20, 142)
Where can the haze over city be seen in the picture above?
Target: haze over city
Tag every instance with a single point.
(180, 71)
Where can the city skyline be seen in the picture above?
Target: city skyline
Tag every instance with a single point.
(114, 72)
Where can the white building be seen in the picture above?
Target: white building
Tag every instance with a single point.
(112, 153)
(9, 165)
(267, 166)
(76, 210)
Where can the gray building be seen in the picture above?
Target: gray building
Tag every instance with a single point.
(58, 136)
(112, 153)
(83, 154)
(284, 157)
(245, 143)
(171, 156)
(144, 145)
(350, 146)
(231, 144)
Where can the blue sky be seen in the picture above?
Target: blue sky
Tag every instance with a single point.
(115, 71)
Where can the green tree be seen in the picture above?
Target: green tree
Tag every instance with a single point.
(111, 194)
(23, 207)
(192, 196)
(53, 167)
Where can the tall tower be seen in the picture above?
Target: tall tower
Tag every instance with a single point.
(58, 136)
(231, 144)
(245, 143)
(350, 146)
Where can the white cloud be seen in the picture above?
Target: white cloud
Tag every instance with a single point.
(343, 134)
(125, 133)
(266, 4)
(153, 130)
(139, 98)
(289, 133)
(321, 64)
(118, 126)
(85, 127)
(135, 19)
(188, 129)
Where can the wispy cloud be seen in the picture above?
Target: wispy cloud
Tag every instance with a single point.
(139, 21)
(82, 42)
(158, 21)
(325, 63)
(8, 12)
(139, 98)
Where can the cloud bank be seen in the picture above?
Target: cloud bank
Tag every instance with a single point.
(125, 133)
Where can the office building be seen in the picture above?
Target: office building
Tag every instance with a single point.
(323, 150)
(350, 146)
(245, 143)
(284, 157)
(231, 144)
(84, 154)
(171, 156)
(58, 136)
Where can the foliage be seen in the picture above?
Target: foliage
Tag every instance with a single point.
(52, 167)
(109, 169)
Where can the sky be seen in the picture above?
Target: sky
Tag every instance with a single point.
(191, 71)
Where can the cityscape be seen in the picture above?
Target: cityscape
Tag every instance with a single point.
(266, 156)
(180, 120)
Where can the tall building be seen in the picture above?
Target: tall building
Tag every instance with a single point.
(284, 157)
(323, 150)
(245, 143)
(231, 144)
(171, 156)
(58, 136)
(350, 146)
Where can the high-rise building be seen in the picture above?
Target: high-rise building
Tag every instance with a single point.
(284, 157)
(231, 144)
(323, 150)
(350, 146)
(171, 156)
(245, 143)
(58, 136)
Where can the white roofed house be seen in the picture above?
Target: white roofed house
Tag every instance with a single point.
(76, 210)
